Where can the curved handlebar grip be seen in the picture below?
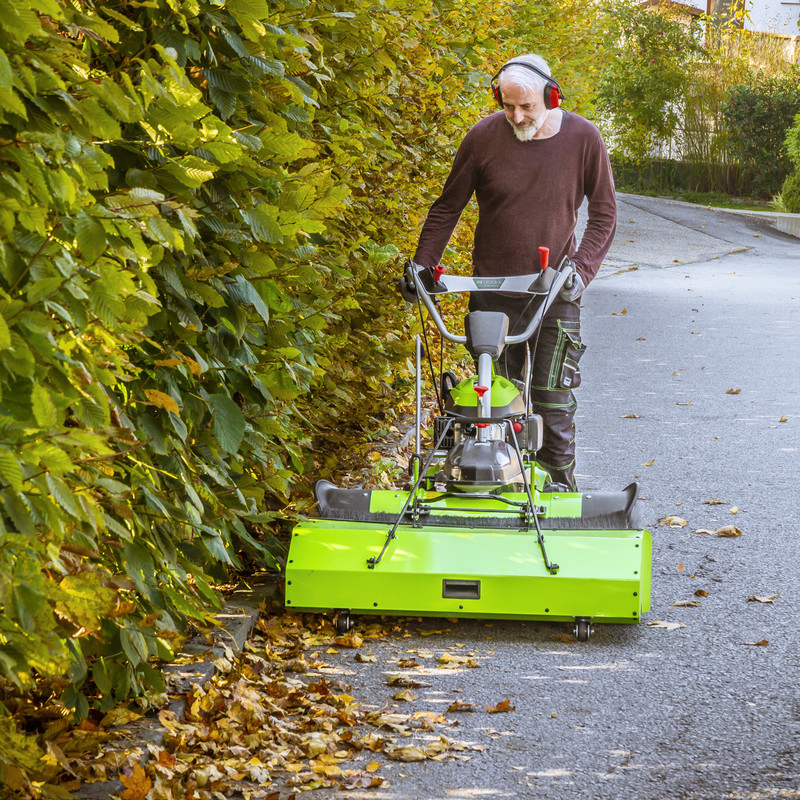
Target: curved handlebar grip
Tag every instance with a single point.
(555, 280)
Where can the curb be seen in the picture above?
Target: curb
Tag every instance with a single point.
(785, 223)
(236, 622)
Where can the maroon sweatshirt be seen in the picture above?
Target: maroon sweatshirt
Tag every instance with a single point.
(528, 196)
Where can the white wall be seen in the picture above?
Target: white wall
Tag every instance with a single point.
(773, 16)
(769, 16)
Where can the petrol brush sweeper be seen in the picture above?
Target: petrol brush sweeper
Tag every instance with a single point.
(479, 531)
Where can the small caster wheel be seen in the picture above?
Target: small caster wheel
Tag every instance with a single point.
(344, 622)
(583, 629)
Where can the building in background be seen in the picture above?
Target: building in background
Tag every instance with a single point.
(762, 16)
(776, 20)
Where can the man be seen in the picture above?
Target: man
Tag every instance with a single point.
(530, 167)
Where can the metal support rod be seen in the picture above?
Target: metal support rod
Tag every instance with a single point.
(485, 402)
(549, 565)
(375, 560)
(418, 430)
(528, 369)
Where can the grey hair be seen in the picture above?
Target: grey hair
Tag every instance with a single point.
(524, 78)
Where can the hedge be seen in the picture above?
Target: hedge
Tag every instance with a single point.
(201, 210)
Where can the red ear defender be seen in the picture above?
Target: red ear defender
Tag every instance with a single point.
(496, 92)
(554, 95)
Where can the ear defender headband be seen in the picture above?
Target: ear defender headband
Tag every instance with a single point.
(552, 91)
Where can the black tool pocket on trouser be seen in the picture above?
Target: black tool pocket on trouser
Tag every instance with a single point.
(565, 370)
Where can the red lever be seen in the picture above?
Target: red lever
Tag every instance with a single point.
(481, 390)
(544, 257)
(438, 271)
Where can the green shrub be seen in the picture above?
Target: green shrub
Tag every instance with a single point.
(790, 193)
(792, 142)
(647, 62)
(756, 118)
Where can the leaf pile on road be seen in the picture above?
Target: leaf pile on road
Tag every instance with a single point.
(270, 720)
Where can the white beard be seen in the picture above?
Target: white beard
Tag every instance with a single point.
(528, 132)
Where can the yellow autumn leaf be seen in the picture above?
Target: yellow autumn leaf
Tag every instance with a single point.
(502, 707)
(167, 362)
(674, 522)
(195, 368)
(162, 400)
(137, 784)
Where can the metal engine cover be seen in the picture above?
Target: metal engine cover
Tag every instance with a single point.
(472, 465)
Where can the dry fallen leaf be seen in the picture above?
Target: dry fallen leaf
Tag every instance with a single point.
(501, 707)
(701, 593)
(784, 419)
(649, 463)
(119, 716)
(620, 314)
(450, 660)
(406, 695)
(674, 522)
(629, 416)
(670, 626)
(735, 510)
(457, 705)
(365, 659)
(351, 639)
(762, 643)
(728, 531)
(687, 603)
(733, 391)
(756, 598)
(684, 404)
(423, 632)
(404, 680)
(704, 531)
(407, 752)
(715, 501)
(407, 663)
(137, 784)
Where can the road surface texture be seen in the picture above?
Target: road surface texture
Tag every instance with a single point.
(691, 387)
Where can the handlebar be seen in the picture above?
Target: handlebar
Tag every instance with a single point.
(547, 283)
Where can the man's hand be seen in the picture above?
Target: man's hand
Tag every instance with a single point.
(573, 288)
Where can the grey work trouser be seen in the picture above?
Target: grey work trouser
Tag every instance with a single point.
(556, 351)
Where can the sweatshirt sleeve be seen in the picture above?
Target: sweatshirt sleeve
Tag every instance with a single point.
(599, 189)
(446, 210)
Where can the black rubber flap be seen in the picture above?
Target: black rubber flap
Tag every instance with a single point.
(336, 503)
(603, 511)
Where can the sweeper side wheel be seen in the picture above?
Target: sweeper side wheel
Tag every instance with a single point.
(344, 622)
(583, 629)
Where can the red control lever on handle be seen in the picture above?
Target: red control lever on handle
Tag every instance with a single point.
(438, 271)
(544, 257)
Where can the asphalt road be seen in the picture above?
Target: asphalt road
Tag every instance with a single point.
(691, 306)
